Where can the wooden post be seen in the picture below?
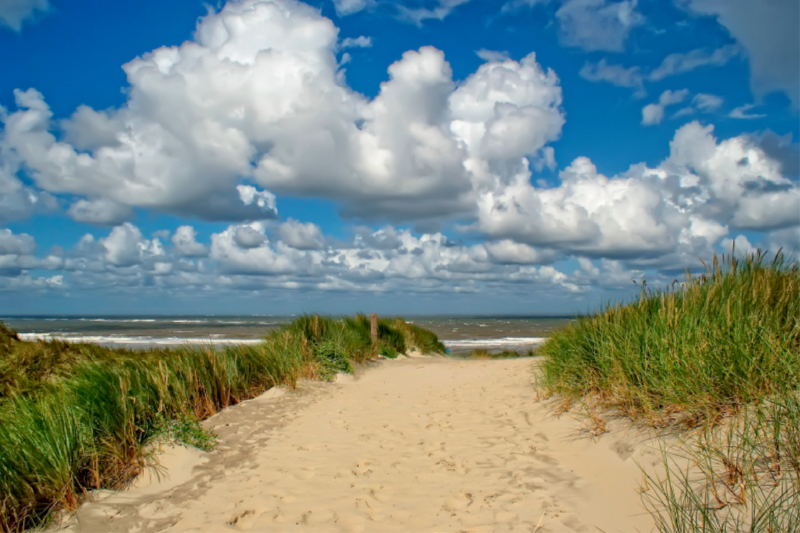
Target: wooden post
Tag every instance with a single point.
(373, 331)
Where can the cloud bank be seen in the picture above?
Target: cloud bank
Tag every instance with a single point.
(256, 107)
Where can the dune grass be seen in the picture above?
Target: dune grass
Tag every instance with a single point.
(482, 353)
(718, 354)
(77, 417)
(701, 349)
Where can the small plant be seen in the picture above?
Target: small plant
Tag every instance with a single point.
(387, 351)
(332, 360)
(183, 429)
(482, 353)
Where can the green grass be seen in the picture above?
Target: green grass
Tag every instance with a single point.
(702, 349)
(481, 353)
(77, 417)
(716, 358)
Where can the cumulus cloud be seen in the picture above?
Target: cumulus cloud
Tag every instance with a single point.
(768, 32)
(17, 259)
(654, 113)
(597, 24)
(11, 244)
(255, 105)
(126, 246)
(14, 12)
(249, 236)
(20, 202)
(186, 245)
(101, 211)
(510, 252)
(740, 246)
(303, 236)
(675, 211)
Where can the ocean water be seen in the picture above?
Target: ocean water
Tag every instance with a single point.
(459, 334)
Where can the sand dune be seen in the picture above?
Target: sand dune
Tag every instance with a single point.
(415, 444)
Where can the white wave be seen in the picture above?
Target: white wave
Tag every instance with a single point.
(134, 341)
(488, 343)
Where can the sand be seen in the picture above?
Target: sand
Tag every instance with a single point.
(414, 444)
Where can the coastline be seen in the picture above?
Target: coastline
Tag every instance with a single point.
(521, 343)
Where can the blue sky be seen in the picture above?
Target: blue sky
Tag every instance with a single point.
(448, 156)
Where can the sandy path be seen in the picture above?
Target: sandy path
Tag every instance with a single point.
(422, 444)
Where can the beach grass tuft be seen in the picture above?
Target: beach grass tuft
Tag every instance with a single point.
(716, 359)
(482, 353)
(697, 350)
(78, 417)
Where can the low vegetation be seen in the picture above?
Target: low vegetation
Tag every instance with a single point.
(482, 353)
(77, 417)
(716, 358)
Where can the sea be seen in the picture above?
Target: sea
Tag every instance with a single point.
(460, 334)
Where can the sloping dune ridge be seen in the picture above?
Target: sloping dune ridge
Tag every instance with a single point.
(414, 444)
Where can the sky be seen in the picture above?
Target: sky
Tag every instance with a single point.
(532, 157)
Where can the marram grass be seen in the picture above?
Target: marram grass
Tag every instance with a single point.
(701, 349)
(716, 358)
(77, 417)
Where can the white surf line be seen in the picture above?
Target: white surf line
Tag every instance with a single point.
(505, 341)
(164, 341)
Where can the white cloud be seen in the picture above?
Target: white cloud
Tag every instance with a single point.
(503, 112)
(677, 210)
(740, 246)
(704, 103)
(673, 64)
(509, 252)
(739, 184)
(303, 236)
(101, 211)
(419, 14)
(597, 24)
(186, 245)
(14, 12)
(654, 113)
(614, 74)
(125, 246)
(742, 112)
(18, 201)
(256, 105)
(358, 42)
(249, 236)
(679, 63)
(491, 55)
(348, 7)
(768, 31)
(707, 103)
(11, 244)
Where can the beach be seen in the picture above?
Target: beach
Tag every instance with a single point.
(413, 444)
